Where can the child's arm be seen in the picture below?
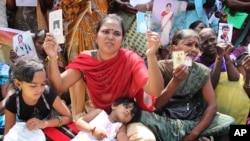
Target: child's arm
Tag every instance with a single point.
(63, 118)
(83, 125)
(122, 134)
(64, 112)
(10, 120)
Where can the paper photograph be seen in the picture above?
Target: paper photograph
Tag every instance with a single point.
(178, 58)
(55, 25)
(23, 45)
(225, 32)
(143, 22)
(163, 15)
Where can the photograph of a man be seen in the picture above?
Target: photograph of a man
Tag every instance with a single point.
(225, 32)
(22, 48)
(144, 25)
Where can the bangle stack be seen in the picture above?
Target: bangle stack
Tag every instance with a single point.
(60, 121)
(92, 130)
(52, 59)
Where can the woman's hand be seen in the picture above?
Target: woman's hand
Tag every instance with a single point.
(153, 42)
(246, 63)
(13, 56)
(35, 123)
(228, 49)
(127, 8)
(180, 73)
(50, 45)
(220, 47)
(142, 7)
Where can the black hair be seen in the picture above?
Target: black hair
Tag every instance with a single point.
(40, 34)
(20, 35)
(25, 68)
(168, 4)
(108, 17)
(136, 111)
(195, 24)
(225, 26)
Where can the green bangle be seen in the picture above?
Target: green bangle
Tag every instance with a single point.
(60, 121)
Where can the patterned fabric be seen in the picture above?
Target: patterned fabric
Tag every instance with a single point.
(133, 40)
(166, 129)
(80, 19)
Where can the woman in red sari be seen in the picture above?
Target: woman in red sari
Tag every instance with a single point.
(110, 72)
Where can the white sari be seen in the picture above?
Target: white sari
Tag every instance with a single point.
(166, 26)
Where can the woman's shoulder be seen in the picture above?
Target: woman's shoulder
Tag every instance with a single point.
(200, 65)
(12, 97)
(165, 64)
(92, 53)
(11, 102)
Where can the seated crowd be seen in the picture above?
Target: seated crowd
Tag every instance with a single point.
(104, 84)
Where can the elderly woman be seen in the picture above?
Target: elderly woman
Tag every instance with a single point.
(186, 109)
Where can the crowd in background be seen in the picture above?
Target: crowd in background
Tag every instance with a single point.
(224, 76)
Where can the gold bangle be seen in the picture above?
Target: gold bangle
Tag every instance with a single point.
(52, 59)
(60, 121)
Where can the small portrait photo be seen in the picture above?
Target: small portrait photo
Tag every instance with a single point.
(225, 32)
(164, 13)
(143, 22)
(56, 27)
(23, 45)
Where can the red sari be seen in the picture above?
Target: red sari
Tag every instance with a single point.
(121, 76)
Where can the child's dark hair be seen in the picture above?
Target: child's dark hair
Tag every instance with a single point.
(24, 68)
(136, 111)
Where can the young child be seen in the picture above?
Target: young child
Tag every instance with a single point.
(33, 100)
(98, 125)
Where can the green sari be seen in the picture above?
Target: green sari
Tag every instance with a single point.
(167, 129)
